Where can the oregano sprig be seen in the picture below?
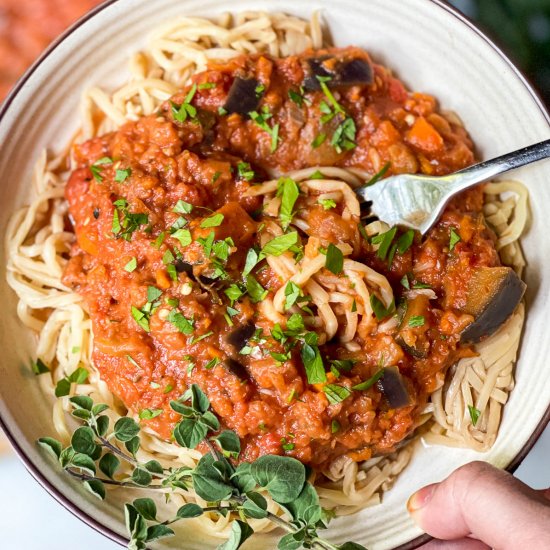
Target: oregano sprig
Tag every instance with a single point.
(227, 486)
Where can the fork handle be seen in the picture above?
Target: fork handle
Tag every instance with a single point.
(490, 168)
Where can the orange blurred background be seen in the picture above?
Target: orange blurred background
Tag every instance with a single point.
(27, 27)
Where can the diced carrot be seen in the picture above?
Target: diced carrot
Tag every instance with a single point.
(424, 136)
(163, 281)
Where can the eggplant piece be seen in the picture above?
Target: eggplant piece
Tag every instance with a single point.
(412, 339)
(345, 72)
(185, 267)
(394, 388)
(239, 337)
(242, 97)
(493, 295)
(238, 369)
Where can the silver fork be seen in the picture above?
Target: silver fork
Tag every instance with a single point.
(417, 201)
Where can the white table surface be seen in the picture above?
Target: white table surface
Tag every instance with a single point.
(46, 525)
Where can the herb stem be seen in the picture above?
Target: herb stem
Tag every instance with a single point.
(127, 458)
(129, 485)
(113, 448)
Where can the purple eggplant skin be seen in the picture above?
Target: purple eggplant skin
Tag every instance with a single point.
(243, 97)
(493, 295)
(393, 386)
(239, 337)
(345, 73)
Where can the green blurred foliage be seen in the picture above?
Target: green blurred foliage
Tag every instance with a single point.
(522, 29)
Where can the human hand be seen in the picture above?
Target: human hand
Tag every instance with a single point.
(479, 507)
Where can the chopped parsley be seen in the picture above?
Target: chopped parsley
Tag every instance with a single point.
(379, 309)
(335, 426)
(141, 318)
(288, 191)
(131, 265)
(212, 363)
(212, 221)
(280, 244)
(343, 138)
(157, 243)
(405, 241)
(335, 259)
(183, 207)
(292, 293)
(379, 175)
(416, 321)
(319, 140)
(39, 367)
(364, 386)
(147, 414)
(206, 85)
(185, 110)
(327, 204)
(384, 240)
(184, 325)
(183, 236)
(255, 290)
(454, 238)
(234, 292)
(335, 393)
(474, 414)
(122, 175)
(261, 120)
(313, 363)
(97, 167)
(296, 97)
(125, 222)
(245, 172)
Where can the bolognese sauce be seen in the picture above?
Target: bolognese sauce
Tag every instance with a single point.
(171, 248)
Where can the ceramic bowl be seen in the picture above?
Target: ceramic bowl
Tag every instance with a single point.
(431, 48)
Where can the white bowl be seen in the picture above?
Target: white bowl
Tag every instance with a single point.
(429, 46)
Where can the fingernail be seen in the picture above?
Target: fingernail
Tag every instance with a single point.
(419, 499)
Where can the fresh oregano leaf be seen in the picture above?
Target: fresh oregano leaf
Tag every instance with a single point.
(229, 443)
(51, 445)
(240, 531)
(99, 408)
(157, 532)
(141, 477)
(66, 457)
(209, 484)
(290, 542)
(154, 467)
(146, 507)
(255, 506)
(199, 401)
(83, 462)
(132, 446)
(96, 487)
(125, 429)
(82, 402)
(83, 440)
(102, 425)
(282, 476)
(211, 420)
(189, 432)
(306, 506)
(190, 510)
(351, 546)
(109, 464)
(62, 388)
(242, 478)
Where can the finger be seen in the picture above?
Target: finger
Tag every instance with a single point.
(481, 500)
(459, 544)
(545, 493)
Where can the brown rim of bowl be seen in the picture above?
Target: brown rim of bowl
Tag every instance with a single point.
(34, 471)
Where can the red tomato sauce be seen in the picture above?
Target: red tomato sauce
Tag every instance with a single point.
(159, 160)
